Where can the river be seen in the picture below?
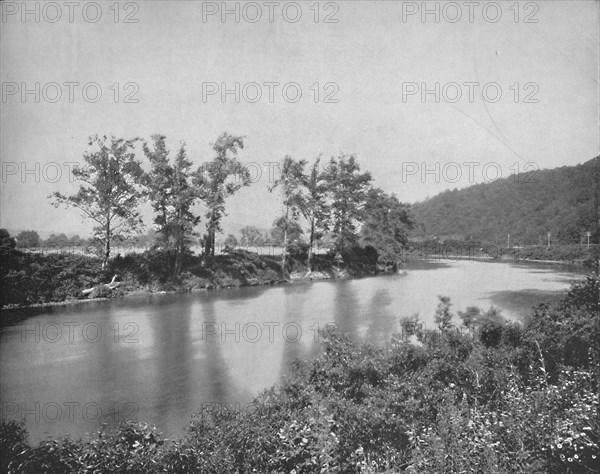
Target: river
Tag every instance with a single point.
(159, 358)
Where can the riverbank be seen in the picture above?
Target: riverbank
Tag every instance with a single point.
(37, 281)
(565, 255)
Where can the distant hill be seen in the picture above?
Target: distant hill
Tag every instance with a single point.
(563, 202)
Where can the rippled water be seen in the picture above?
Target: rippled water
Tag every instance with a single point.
(160, 358)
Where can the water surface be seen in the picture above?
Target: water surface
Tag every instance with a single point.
(160, 358)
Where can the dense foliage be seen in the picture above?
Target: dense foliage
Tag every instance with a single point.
(348, 188)
(29, 278)
(290, 184)
(169, 186)
(491, 396)
(218, 180)
(559, 201)
(387, 226)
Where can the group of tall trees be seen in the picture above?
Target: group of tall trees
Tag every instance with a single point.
(337, 198)
(172, 195)
(340, 199)
(114, 183)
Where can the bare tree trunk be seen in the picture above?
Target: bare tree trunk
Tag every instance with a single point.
(106, 253)
(180, 246)
(310, 244)
(209, 245)
(178, 254)
(206, 247)
(285, 239)
(106, 246)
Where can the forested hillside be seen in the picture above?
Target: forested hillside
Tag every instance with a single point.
(560, 201)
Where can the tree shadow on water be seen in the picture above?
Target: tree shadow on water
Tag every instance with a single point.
(382, 323)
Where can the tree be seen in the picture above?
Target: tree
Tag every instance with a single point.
(313, 206)
(251, 236)
(281, 226)
(172, 195)
(222, 178)
(443, 316)
(386, 225)
(292, 173)
(110, 193)
(231, 240)
(572, 228)
(470, 317)
(490, 327)
(7, 243)
(348, 188)
(76, 240)
(58, 241)
(411, 326)
(27, 239)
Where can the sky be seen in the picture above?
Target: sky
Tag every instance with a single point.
(429, 95)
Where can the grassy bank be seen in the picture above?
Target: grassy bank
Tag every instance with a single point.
(28, 279)
(495, 397)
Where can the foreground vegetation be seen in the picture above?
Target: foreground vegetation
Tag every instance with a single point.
(489, 396)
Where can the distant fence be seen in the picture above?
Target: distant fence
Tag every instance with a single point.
(422, 251)
(125, 249)
(83, 250)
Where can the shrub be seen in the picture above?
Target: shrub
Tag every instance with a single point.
(360, 259)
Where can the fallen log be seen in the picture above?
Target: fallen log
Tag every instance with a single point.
(109, 286)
